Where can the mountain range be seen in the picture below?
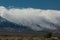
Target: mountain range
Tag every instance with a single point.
(10, 27)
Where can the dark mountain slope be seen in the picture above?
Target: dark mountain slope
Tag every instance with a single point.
(8, 26)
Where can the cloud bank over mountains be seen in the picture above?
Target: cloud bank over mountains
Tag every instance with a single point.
(36, 19)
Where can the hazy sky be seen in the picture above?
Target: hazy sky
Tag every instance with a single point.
(40, 4)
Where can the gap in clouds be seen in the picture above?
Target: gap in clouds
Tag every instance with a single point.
(36, 19)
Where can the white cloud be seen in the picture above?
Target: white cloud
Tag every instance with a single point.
(36, 19)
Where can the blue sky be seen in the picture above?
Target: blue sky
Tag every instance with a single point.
(39, 4)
